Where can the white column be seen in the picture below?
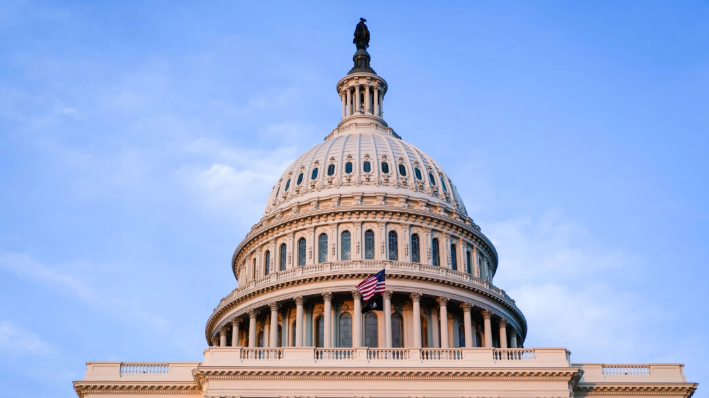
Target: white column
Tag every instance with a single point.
(513, 339)
(387, 318)
(503, 333)
(416, 298)
(274, 325)
(468, 324)
(349, 100)
(298, 321)
(252, 327)
(434, 328)
(367, 109)
(488, 328)
(343, 98)
(222, 336)
(357, 320)
(327, 296)
(235, 332)
(356, 101)
(376, 100)
(442, 302)
(381, 104)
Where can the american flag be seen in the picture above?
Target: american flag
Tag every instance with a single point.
(372, 285)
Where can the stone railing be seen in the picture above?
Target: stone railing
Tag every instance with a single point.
(144, 368)
(366, 266)
(653, 372)
(514, 354)
(368, 357)
(625, 370)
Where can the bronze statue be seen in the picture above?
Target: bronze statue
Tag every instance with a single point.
(361, 35)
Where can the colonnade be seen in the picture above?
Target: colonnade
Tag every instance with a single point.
(357, 338)
(365, 99)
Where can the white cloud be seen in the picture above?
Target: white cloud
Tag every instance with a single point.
(15, 340)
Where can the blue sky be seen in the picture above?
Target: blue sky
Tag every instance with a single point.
(139, 141)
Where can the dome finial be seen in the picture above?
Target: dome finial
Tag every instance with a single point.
(361, 40)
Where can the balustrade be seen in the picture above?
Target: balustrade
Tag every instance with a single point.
(626, 370)
(335, 354)
(387, 354)
(262, 354)
(144, 368)
(435, 354)
(512, 354)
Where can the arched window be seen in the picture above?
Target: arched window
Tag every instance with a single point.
(468, 263)
(402, 170)
(385, 167)
(348, 167)
(435, 253)
(322, 248)
(418, 173)
(267, 263)
(430, 177)
(371, 330)
(454, 258)
(287, 184)
(369, 245)
(283, 258)
(367, 167)
(300, 178)
(260, 339)
(346, 330)
(320, 332)
(346, 245)
(301, 251)
(397, 331)
(424, 332)
(331, 169)
(314, 175)
(461, 335)
(253, 271)
(415, 249)
(393, 246)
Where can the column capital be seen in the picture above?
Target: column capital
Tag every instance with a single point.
(356, 295)
(222, 330)
(442, 301)
(387, 294)
(503, 323)
(487, 314)
(215, 341)
(415, 297)
(274, 305)
(253, 312)
(466, 307)
(327, 296)
(235, 320)
(299, 300)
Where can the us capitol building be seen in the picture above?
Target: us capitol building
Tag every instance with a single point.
(361, 201)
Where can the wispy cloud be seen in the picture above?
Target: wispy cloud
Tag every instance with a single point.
(15, 340)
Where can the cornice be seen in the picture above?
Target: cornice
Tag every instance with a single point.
(224, 308)
(685, 390)
(162, 387)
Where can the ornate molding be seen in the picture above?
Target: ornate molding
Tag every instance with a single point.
(466, 307)
(415, 297)
(442, 301)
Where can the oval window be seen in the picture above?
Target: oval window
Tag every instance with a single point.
(348, 167)
(331, 169)
(367, 167)
(315, 174)
(418, 173)
(433, 180)
(385, 167)
(300, 178)
(287, 185)
(402, 170)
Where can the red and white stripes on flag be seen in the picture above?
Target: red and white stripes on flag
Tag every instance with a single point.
(372, 285)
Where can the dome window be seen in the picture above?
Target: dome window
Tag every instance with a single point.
(367, 167)
(287, 185)
(415, 249)
(369, 245)
(331, 169)
(385, 167)
(322, 248)
(430, 177)
(301, 252)
(402, 170)
(315, 174)
(278, 191)
(393, 246)
(443, 184)
(300, 178)
(436, 253)
(418, 173)
(348, 167)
